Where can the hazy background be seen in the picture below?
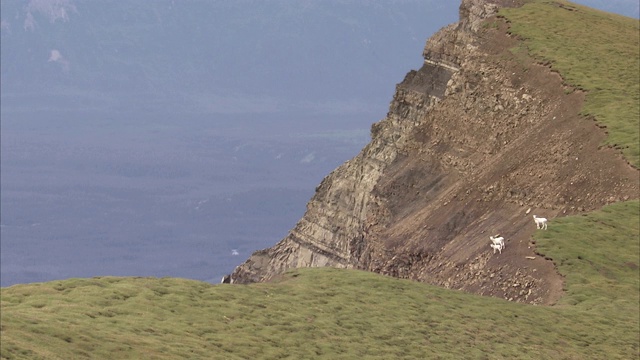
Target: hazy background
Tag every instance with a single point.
(174, 138)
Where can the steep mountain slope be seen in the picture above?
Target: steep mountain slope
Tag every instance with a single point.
(475, 142)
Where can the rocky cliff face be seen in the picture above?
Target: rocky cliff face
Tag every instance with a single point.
(474, 143)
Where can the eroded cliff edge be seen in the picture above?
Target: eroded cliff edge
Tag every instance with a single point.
(474, 143)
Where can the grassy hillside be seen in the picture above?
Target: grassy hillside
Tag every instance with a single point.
(594, 51)
(338, 314)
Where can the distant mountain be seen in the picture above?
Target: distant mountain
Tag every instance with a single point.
(630, 8)
(211, 56)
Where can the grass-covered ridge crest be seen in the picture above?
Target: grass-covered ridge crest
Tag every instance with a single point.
(594, 51)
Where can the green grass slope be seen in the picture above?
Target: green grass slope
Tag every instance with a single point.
(341, 314)
(594, 51)
(316, 313)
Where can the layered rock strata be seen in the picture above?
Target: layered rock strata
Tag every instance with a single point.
(474, 143)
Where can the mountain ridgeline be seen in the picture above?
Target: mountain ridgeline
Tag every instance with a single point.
(476, 142)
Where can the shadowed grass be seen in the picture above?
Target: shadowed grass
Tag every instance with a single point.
(595, 51)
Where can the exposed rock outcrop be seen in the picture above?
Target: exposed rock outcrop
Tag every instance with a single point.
(474, 143)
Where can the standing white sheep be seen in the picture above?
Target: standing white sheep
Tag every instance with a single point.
(541, 223)
(497, 240)
(496, 247)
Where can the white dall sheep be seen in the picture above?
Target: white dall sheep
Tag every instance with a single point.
(498, 240)
(541, 223)
(496, 247)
